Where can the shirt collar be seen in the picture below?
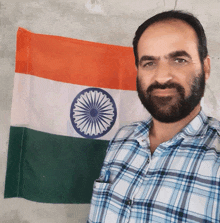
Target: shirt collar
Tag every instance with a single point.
(143, 128)
(141, 132)
(197, 127)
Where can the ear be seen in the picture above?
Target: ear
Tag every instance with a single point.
(207, 67)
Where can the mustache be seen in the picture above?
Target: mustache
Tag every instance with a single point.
(157, 85)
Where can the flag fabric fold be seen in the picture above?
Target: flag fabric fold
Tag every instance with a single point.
(69, 99)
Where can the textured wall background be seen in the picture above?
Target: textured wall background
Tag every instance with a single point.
(105, 21)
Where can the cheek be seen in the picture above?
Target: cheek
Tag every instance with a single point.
(143, 81)
(188, 82)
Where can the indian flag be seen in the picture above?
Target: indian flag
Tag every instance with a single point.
(70, 97)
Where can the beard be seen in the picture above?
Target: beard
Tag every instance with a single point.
(170, 109)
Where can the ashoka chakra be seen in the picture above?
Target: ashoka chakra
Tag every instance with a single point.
(93, 112)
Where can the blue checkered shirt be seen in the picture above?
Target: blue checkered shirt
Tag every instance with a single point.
(180, 182)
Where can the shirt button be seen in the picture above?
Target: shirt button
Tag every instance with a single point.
(128, 202)
(148, 161)
(144, 142)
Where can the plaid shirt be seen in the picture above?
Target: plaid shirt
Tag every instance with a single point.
(180, 182)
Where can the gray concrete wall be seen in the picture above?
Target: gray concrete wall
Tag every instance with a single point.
(105, 21)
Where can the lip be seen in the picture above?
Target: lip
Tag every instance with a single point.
(164, 92)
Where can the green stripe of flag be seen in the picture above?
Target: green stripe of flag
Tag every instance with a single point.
(50, 168)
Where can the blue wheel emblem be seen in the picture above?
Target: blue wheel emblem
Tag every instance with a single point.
(93, 113)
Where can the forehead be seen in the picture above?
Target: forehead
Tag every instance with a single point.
(164, 37)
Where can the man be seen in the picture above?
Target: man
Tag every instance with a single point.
(165, 169)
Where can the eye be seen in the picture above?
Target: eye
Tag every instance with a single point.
(148, 64)
(180, 60)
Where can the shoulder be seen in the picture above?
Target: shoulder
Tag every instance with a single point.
(128, 133)
(214, 133)
(134, 129)
(125, 140)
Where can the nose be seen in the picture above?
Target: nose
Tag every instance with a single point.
(163, 73)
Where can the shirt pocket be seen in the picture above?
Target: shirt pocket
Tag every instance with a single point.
(98, 187)
(98, 201)
(100, 193)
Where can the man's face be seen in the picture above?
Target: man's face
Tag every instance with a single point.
(170, 76)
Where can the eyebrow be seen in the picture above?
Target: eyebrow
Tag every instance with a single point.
(178, 53)
(145, 58)
(174, 54)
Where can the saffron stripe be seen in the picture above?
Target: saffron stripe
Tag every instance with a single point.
(75, 61)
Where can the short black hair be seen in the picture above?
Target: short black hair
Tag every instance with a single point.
(169, 15)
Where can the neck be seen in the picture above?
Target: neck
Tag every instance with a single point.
(161, 132)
